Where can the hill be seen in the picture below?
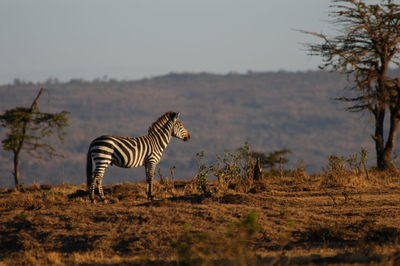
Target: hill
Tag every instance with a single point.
(276, 221)
(270, 110)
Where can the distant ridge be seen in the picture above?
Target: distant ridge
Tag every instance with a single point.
(270, 110)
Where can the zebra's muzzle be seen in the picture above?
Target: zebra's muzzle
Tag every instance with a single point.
(186, 138)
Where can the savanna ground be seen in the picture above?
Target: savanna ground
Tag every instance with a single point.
(351, 218)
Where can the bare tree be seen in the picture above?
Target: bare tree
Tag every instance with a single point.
(366, 44)
(26, 127)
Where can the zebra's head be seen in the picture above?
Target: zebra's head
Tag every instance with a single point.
(178, 130)
(175, 128)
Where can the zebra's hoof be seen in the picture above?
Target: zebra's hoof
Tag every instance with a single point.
(104, 201)
(151, 197)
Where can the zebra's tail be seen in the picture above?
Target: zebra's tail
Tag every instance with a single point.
(89, 168)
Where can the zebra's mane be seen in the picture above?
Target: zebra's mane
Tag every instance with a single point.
(162, 120)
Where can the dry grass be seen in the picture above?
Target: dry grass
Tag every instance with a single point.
(290, 220)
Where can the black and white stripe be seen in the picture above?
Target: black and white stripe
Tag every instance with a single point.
(129, 152)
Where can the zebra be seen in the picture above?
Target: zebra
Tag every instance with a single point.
(127, 152)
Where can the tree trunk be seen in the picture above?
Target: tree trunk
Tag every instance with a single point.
(391, 140)
(379, 114)
(17, 178)
(384, 150)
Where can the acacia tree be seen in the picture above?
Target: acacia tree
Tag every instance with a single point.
(366, 44)
(26, 128)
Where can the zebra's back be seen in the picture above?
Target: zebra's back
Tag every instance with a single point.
(120, 151)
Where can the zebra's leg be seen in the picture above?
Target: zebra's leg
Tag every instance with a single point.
(100, 188)
(97, 180)
(149, 179)
(92, 188)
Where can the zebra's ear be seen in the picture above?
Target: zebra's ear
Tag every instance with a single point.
(175, 116)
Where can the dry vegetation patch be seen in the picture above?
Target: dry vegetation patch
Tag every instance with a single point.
(281, 221)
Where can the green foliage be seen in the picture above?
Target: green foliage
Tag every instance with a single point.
(27, 127)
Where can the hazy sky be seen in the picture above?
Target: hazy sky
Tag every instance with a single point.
(130, 39)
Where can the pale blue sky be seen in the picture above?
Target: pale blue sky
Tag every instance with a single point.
(131, 39)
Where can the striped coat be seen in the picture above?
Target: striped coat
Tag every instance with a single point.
(130, 152)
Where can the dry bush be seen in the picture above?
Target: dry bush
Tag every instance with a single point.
(235, 170)
(166, 186)
(300, 176)
(347, 172)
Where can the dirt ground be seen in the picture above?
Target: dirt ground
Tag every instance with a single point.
(275, 222)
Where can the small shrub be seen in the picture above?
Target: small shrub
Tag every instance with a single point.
(235, 170)
(167, 183)
(342, 171)
(201, 181)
